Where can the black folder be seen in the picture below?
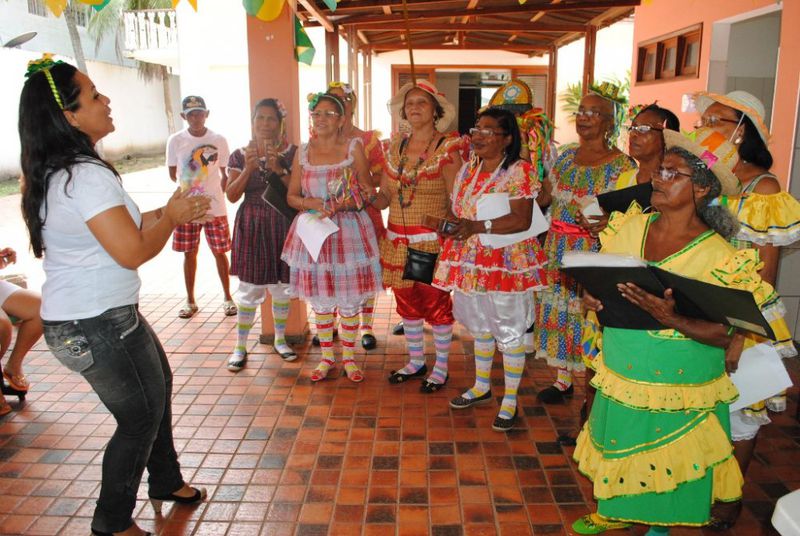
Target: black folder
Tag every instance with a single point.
(620, 200)
(275, 196)
(693, 298)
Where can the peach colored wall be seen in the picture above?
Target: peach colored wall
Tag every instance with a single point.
(272, 66)
(659, 17)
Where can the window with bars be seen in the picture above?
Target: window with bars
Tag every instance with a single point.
(80, 13)
(37, 7)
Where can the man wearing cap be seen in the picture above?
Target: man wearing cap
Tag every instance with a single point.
(196, 158)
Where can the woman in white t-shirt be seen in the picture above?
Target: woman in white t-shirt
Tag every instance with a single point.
(93, 238)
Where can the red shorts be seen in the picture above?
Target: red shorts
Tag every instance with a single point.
(424, 301)
(187, 236)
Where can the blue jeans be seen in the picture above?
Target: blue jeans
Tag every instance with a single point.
(120, 356)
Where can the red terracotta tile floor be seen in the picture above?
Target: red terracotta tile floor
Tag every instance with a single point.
(281, 456)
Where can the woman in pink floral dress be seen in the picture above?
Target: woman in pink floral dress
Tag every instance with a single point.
(493, 286)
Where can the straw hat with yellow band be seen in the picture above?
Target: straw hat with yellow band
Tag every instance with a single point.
(743, 101)
(716, 152)
(396, 103)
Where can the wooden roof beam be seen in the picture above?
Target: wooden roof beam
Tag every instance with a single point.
(541, 14)
(470, 6)
(387, 47)
(317, 14)
(477, 26)
(485, 10)
(598, 21)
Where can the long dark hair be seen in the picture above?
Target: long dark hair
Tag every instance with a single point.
(753, 149)
(508, 122)
(49, 143)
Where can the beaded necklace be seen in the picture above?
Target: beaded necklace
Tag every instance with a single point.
(409, 182)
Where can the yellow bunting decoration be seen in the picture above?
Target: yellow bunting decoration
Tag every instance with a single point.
(56, 6)
(266, 10)
(192, 3)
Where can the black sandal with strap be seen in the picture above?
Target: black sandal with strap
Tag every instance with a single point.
(398, 377)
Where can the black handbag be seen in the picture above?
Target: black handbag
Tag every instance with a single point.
(419, 265)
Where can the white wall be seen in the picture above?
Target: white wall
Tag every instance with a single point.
(137, 108)
(612, 59)
(52, 35)
(212, 50)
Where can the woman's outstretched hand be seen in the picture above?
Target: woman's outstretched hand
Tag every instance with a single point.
(185, 207)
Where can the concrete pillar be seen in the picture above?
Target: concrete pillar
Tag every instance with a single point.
(274, 73)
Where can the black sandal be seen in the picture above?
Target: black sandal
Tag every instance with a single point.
(504, 425)
(429, 387)
(398, 377)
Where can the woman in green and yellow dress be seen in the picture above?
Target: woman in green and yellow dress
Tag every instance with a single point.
(657, 444)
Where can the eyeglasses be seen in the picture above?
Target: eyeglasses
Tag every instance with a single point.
(668, 174)
(486, 132)
(642, 129)
(714, 120)
(589, 114)
(328, 114)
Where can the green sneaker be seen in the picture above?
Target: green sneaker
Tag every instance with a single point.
(596, 524)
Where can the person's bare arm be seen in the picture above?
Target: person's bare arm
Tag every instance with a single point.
(173, 173)
(131, 246)
(519, 219)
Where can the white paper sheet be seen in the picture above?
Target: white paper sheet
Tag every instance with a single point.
(313, 231)
(577, 259)
(761, 374)
(592, 210)
(491, 206)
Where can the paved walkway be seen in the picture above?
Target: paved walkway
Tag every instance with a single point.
(281, 456)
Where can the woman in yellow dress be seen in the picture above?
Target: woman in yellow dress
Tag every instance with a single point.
(769, 218)
(657, 444)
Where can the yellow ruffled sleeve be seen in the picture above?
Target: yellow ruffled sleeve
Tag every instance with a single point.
(740, 271)
(610, 239)
(772, 219)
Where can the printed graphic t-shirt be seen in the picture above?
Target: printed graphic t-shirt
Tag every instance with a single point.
(198, 160)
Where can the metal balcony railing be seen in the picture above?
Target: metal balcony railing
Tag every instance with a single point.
(150, 29)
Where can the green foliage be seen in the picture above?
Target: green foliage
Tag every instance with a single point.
(571, 99)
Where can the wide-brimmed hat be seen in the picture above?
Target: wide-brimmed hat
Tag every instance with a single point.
(743, 101)
(396, 103)
(718, 154)
(515, 96)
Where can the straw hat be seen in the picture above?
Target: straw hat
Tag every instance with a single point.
(718, 154)
(396, 103)
(743, 101)
(515, 96)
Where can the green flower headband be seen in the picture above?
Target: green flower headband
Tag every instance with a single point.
(43, 65)
(313, 100)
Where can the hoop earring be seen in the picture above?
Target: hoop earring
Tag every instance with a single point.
(738, 141)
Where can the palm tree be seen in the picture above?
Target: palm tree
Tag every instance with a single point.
(109, 21)
(74, 36)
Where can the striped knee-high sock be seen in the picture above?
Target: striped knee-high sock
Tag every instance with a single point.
(245, 318)
(367, 316)
(484, 355)
(563, 379)
(280, 313)
(442, 335)
(325, 334)
(513, 364)
(348, 326)
(415, 344)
